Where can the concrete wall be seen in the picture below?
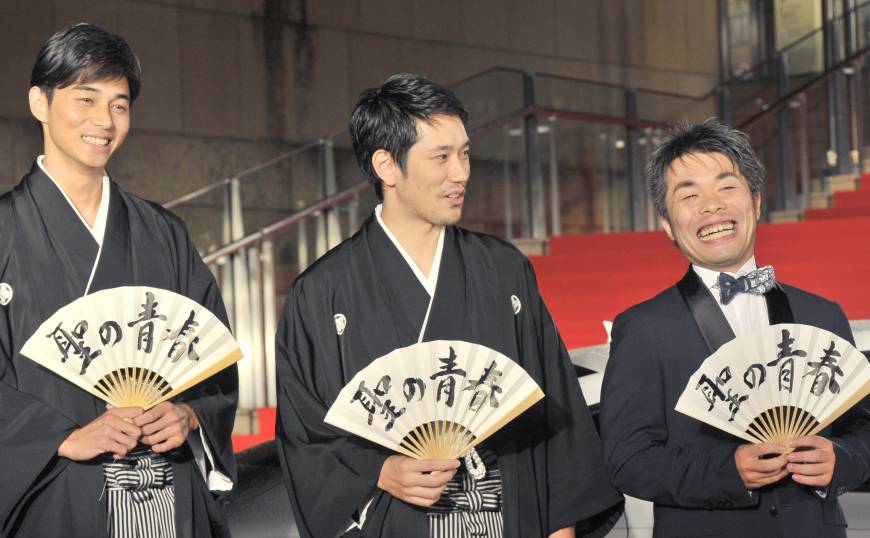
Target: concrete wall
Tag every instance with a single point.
(229, 83)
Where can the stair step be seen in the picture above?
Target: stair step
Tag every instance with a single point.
(820, 200)
(786, 215)
(835, 213)
(851, 200)
(845, 182)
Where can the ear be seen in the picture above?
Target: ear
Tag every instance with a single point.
(666, 224)
(38, 103)
(385, 167)
(756, 202)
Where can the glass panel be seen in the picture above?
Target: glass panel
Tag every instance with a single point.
(495, 198)
(579, 96)
(204, 217)
(491, 95)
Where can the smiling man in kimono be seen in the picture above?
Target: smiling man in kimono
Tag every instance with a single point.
(69, 466)
(410, 275)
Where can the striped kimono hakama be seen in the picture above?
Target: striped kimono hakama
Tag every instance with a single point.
(141, 496)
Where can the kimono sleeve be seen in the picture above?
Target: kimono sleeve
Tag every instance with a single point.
(30, 431)
(329, 474)
(578, 489)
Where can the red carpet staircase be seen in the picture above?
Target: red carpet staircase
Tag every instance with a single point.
(589, 278)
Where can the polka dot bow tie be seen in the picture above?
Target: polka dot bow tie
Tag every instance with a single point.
(757, 282)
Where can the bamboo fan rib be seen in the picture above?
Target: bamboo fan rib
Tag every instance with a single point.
(434, 400)
(133, 345)
(776, 384)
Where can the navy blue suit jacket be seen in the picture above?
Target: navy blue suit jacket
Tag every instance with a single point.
(686, 467)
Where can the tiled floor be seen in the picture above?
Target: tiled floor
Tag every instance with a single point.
(855, 505)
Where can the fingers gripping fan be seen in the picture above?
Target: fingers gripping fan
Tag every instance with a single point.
(133, 346)
(434, 400)
(778, 383)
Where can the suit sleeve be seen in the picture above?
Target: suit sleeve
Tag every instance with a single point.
(329, 474)
(851, 432)
(579, 492)
(640, 458)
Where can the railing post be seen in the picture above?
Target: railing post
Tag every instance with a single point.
(786, 178)
(270, 324)
(256, 329)
(606, 209)
(632, 164)
(537, 225)
(803, 133)
(838, 150)
(506, 186)
(555, 201)
(328, 187)
(722, 93)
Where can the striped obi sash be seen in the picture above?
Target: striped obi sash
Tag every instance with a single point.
(469, 507)
(141, 497)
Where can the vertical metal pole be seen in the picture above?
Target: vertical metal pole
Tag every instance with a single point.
(257, 359)
(241, 317)
(803, 133)
(555, 208)
(227, 274)
(722, 91)
(632, 165)
(534, 178)
(838, 152)
(270, 324)
(352, 215)
(606, 210)
(328, 188)
(302, 244)
(786, 178)
(506, 186)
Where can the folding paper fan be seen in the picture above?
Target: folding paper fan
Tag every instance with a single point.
(434, 399)
(133, 346)
(778, 383)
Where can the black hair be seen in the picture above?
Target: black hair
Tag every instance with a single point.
(85, 53)
(711, 136)
(386, 118)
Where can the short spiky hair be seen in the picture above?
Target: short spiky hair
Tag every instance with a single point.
(85, 52)
(386, 118)
(710, 136)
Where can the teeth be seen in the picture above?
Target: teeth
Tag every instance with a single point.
(716, 231)
(96, 141)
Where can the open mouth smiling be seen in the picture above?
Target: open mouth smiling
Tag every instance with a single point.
(716, 231)
(96, 141)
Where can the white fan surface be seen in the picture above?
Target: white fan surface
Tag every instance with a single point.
(400, 400)
(133, 345)
(778, 383)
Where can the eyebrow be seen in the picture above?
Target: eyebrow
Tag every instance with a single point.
(691, 182)
(443, 147)
(95, 90)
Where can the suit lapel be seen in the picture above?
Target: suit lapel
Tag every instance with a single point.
(778, 307)
(705, 311)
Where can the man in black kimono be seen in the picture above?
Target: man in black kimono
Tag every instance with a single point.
(707, 185)
(410, 275)
(65, 231)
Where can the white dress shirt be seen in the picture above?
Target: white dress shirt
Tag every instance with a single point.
(746, 312)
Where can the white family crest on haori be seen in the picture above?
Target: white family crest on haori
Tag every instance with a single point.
(516, 304)
(5, 293)
(778, 383)
(434, 399)
(340, 323)
(133, 345)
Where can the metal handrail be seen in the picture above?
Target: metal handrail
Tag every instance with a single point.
(272, 229)
(790, 96)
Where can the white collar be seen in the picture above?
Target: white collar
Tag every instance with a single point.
(429, 282)
(710, 277)
(98, 231)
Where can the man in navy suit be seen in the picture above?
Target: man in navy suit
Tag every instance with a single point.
(707, 185)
